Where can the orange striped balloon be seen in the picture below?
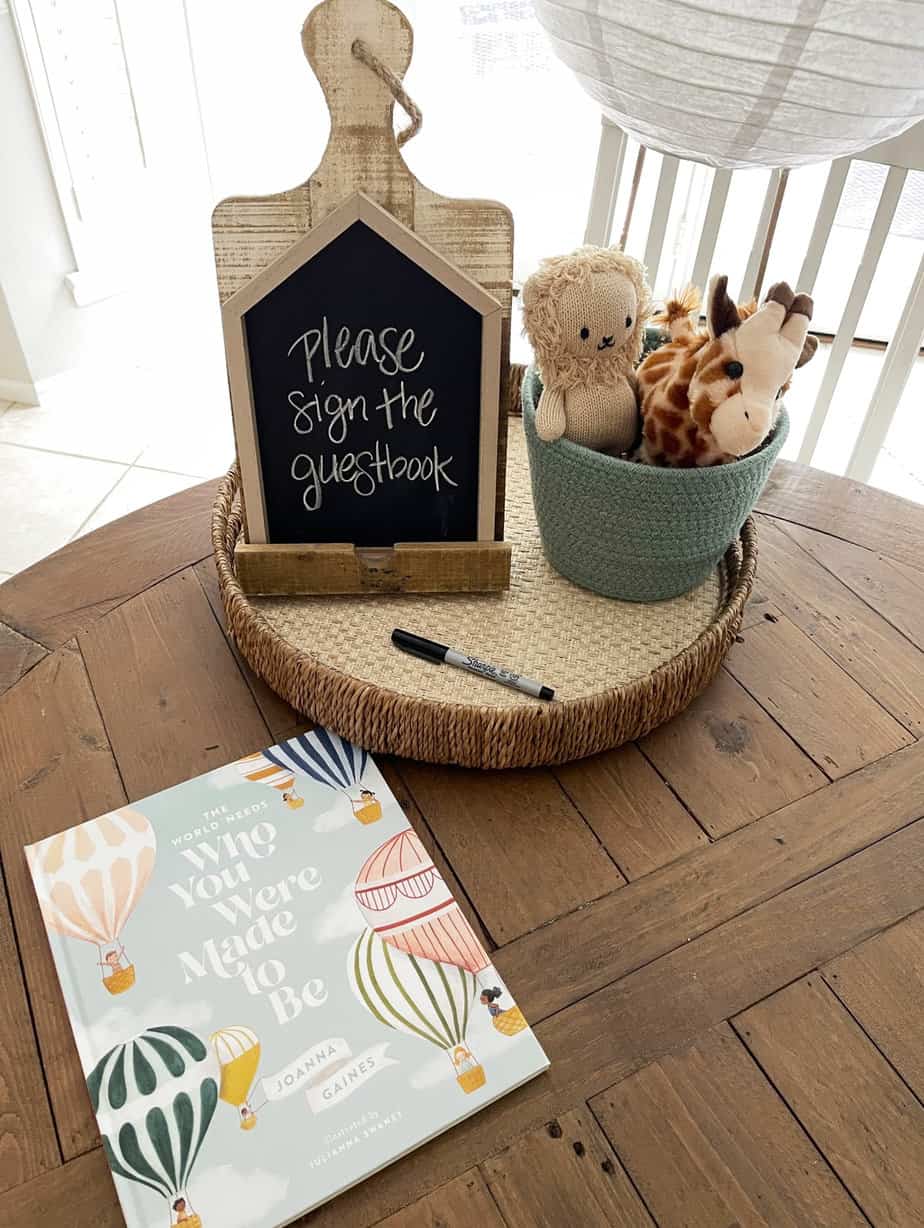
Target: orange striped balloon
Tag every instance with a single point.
(261, 771)
(405, 900)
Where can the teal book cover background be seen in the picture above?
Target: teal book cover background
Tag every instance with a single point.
(272, 991)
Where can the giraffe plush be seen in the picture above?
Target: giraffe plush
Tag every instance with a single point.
(712, 396)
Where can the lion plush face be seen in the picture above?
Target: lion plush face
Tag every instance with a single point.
(585, 314)
(598, 315)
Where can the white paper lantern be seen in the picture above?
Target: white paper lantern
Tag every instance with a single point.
(747, 82)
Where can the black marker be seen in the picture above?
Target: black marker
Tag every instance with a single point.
(430, 650)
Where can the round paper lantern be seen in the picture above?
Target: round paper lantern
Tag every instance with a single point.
(733, 83)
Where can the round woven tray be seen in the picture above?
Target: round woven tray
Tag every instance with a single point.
(618, 668)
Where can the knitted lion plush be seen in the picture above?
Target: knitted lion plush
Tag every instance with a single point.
(585, 315)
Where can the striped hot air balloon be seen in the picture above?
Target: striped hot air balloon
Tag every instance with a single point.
(89, 879)
(405, 901)
(331, 761)
(260, 770)
(238, 1052)
(429, 1001)
(155, 1096)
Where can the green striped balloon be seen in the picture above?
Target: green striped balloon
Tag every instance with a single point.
(155, 1096)
(416, 996)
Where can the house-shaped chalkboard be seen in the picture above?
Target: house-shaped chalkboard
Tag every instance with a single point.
(364, 372)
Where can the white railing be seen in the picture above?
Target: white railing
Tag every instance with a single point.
(617, 180)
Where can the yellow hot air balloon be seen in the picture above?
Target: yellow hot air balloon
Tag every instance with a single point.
(238, 1052)
(261, 771)
(89, 879)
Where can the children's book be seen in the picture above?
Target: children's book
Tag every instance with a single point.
(273, 991)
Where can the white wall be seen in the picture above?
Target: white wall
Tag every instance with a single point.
(41, 320)
(15, 376)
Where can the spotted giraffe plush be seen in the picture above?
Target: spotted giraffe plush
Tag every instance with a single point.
(708, 397)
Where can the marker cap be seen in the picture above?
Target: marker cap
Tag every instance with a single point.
(417, 646)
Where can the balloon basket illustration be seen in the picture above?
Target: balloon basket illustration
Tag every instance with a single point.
(472, 1079)
(368, 811)
(248, 1123)
(88, 881)
(119, 982)
(155, 1097)
(510, 1021)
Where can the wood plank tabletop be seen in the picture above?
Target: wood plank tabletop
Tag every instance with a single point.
(719, 936)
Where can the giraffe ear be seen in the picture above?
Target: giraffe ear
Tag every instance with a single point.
(721, 312)
(809, 346)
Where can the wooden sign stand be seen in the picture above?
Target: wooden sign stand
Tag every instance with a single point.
(251, 233)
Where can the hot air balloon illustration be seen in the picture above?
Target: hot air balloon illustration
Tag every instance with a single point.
(404, 899)
(420, 998)
(238, 1052)
(259, 770)
(89, 879)
(155, 1096)
(332, 761)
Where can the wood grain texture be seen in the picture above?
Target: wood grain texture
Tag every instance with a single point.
(361, 155)
(633, 813)
(281, 718)
(850, 510)
(17, 655)
(67, 592)
(831, 717)
(57, 770)
(411, 567)
(858, 639)
(708, 1141)
(458, 1204)
(564, 1173)
(710, 886)
(79, 1194)
(490, 823)
(881, 982)
(171, 694)
(864, 1118)
(895, 590)
(28, 1145)
(728, 760)
(662, 1007)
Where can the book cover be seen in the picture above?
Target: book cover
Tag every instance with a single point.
(273, 992)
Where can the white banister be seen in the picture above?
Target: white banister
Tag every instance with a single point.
(610, 157)
(885, 211)
(715, 209)
(763, 236)
(896, 368)
(824, 220)
(657, 228)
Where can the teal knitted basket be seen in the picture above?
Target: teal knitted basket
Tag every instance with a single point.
(635, 531)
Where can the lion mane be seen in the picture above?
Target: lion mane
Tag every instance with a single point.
(541, 324)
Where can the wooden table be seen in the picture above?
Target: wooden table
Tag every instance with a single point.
(718, 933)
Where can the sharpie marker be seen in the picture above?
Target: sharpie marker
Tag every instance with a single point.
(430, 650)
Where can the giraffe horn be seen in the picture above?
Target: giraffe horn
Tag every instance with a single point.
(721, 312)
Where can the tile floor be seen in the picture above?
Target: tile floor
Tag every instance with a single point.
(93, 453)
(87, 457)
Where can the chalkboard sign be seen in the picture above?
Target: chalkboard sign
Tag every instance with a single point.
(364, 373)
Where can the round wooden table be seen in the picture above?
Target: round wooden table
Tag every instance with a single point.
(715, 932)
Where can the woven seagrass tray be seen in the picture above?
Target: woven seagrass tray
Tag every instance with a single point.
(618, 668)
